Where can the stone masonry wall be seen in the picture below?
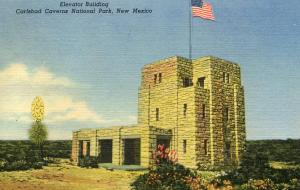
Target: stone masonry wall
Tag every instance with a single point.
(240, 128)
(185, 133)
(160, 95)
(204, 153)
(75, 147)
(225, 77)
(186, 137)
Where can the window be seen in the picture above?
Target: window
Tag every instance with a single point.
(227, 151)
(201, 82)
(186, 82)
(227, 77)
(184, 109)
(203, 110)
(184, 146)
(157, 114)
(155, 78)
(159, 77)
(205, 147)
(226, 114)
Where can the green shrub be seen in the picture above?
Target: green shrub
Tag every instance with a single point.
(209, 167)
(52, 160)
(294, 184)
(205, 167)
(38, 165)
(16, 165)
(266, 184)
(3, 162)
(22, 161)
(278, 150)
(88, 161)
(255, 166)
(284, 175)
(22, 165)
(57, 149)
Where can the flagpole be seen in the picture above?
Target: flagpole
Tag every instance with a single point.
(190, 29)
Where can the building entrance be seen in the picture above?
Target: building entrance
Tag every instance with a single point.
(163, 140)
(132, 151)
(105, 155)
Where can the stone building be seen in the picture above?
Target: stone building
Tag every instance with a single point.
(195, 107)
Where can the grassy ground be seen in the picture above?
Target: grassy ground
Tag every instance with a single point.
(64, 176)
(67, 177)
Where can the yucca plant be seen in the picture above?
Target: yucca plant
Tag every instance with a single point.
(38, 134)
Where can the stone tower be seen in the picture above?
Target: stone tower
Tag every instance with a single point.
(202, 102)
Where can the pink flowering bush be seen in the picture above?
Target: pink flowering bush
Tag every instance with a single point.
(164, 155)
(168, 174)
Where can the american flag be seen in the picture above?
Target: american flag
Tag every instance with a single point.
(202, 10)
(197, 3)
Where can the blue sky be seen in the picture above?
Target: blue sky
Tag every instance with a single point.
(92, 63)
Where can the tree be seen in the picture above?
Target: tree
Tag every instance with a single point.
(38, 133)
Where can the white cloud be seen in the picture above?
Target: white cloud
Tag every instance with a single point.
(124, 120)
(66, 109)
(19, 86)
(18, 74)
(132, 119)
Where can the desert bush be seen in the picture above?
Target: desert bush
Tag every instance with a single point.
(2, 164)
(38, 165)
(52, 160)
(209, 167)
(22, 165)
(54, 149)
(88, 162)
(22, 155)
(255, 166)
(22, 161)
(217, 184)
(293, 184)
(265, 184)
(16, 165)
(278, 150)
(284, 175)
(205, 167)
(268, 184)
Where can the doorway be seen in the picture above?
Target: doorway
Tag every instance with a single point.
(163, 140)
(132, 151)
(105, 151)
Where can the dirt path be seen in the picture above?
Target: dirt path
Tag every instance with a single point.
(67, 177)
